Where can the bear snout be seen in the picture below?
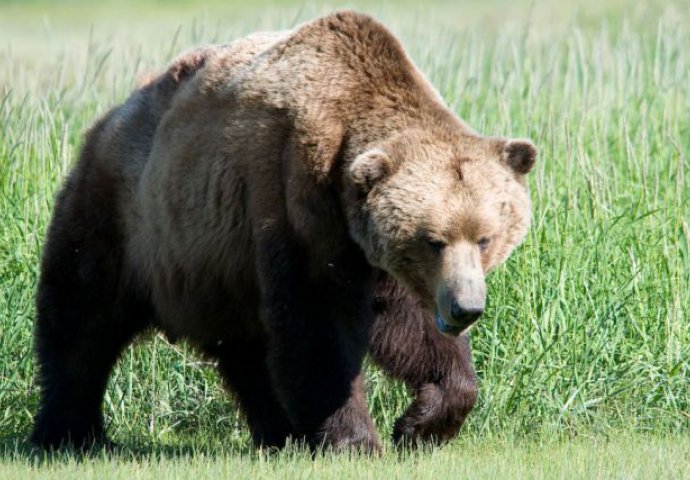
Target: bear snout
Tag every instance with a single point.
(460, 313)
(460, 304)
(465, 314)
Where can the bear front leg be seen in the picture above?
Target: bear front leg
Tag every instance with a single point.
(350, 426)
(405, 343)
(317, 327)
(242, 364)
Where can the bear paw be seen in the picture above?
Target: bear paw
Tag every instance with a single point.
(350, 429)
(435, 416)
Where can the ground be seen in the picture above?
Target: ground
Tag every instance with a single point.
(480, 458)
(583, 354)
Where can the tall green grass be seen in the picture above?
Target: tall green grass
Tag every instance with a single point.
(587, 330)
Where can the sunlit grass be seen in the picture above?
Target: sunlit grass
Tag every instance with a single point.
(636, 457)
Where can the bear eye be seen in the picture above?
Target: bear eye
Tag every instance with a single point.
(483, 243)
(436, 245)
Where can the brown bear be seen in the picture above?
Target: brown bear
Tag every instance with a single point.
(281, 203)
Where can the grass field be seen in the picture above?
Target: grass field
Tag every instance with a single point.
(493, 459)
(584, 353)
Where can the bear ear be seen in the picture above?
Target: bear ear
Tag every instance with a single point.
(519, 154)
(370, 167)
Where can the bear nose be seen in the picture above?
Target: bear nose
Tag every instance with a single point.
(465, 315)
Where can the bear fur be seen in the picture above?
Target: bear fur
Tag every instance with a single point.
(284, 203)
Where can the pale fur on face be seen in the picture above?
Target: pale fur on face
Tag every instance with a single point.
(442, 214)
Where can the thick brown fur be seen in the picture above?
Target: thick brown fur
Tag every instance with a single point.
(249, 200)
(437, 368)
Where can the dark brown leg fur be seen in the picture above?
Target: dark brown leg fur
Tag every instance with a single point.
(406, 344)
(244, 371)
(86, 316)
(86, 312)
(360, 436)
(318, 334)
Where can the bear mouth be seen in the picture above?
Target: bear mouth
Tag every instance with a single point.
(446, 328)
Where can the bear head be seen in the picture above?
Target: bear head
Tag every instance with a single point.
(438, 214)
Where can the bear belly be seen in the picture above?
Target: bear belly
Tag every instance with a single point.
(211, 316)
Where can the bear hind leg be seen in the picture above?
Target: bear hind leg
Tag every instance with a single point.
(75, 360)
(84, 322)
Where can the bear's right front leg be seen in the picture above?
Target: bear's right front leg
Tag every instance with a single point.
(318, 333)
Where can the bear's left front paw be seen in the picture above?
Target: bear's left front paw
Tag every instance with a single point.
(435, 415)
